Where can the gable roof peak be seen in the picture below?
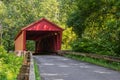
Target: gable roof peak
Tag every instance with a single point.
(42, 19)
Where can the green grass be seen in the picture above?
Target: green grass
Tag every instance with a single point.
(104, 63)
(37, 75)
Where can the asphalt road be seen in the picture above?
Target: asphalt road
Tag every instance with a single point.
(61, 68)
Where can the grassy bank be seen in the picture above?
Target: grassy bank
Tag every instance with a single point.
(104, 63)
(37, 75)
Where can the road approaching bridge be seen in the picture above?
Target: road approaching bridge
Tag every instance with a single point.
(61, 68)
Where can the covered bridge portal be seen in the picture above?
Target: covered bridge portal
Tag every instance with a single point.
(47, 36)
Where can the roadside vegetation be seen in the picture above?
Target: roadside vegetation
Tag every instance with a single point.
(101, 62)
(97, 26)
(37, 74)
(9, 65)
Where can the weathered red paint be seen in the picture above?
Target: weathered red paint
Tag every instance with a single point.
(47, 36)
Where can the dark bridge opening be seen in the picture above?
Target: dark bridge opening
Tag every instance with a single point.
(47, 37)
(45, 41)
(46, 44)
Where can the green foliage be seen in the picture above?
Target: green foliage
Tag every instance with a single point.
(99, 23)
(37, 74)
(85, 9)
(16, 14)
(30, 45)
(92, 46)
(68, 37)
(9, 65)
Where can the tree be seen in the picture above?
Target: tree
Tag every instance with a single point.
(78, 17)
(99, 23)
(19, 13)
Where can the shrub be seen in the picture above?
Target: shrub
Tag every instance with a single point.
(9, 65)
(93, 46)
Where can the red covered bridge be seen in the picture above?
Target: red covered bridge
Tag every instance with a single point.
(47, 36)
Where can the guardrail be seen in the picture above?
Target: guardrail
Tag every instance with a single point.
(105, 57)
(27, 68)
(31, 73)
